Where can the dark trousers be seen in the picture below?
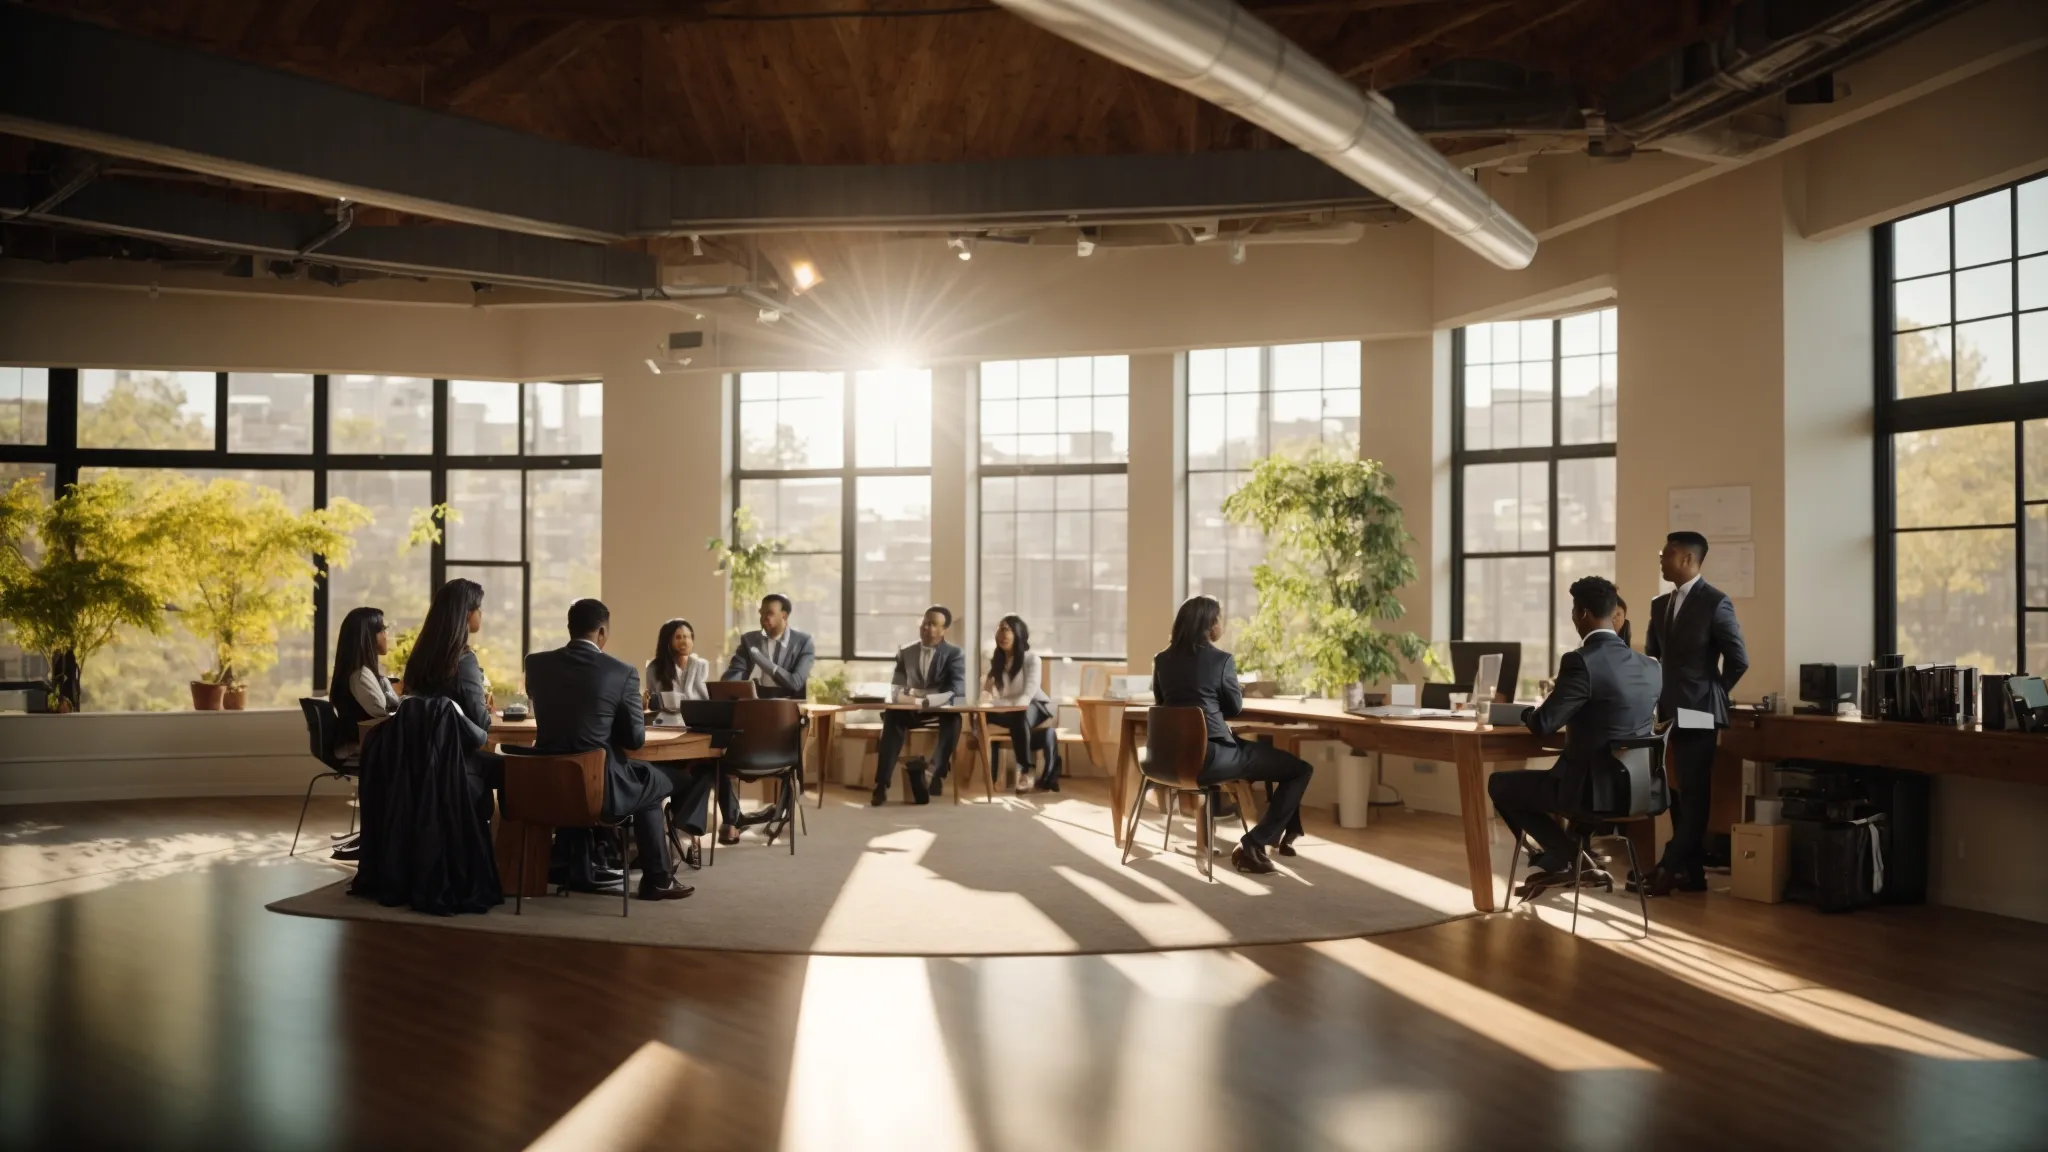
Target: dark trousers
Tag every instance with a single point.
(1289, 775)
(686, 785)
(896, 728)
(689, 800)
(1026, 739)
(1528, 801)
(1692, 755)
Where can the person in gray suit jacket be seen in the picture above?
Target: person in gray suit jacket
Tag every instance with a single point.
(928, 667)
(1605, 692)
(777, 658)
(584, 700)
(1694, 632)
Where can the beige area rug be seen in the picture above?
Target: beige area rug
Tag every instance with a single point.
(1012, 877)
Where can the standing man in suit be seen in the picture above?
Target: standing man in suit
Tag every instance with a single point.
(929, 667)
(584, 700)
(777, 657)
(1693, 631)
(1605, 692)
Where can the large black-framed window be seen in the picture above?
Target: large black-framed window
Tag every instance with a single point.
(1962, 431)
(1532, 477)
(1054, 473)
(838, 466)
(1245, 404)
(520, 464)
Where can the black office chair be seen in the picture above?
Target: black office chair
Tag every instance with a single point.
(768, 743)
(1648, 795)
(323, 730)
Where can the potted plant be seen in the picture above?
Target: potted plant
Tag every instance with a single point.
(1336, 561)
(746, 568)
(248, 568)
(75, 570)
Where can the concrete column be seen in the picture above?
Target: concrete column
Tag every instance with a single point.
(1402, 387)
(954, 505)
(666, 491)
(1157, 536)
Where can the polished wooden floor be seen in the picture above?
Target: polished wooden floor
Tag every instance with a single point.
(147, 1000)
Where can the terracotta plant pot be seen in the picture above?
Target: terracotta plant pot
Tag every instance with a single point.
(207, 697)
(236, 698)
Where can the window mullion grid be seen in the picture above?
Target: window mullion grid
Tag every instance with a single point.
(1458, 453)
(2019, 514)
(322, 609)
(849, 512)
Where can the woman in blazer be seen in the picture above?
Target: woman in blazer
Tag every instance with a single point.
(442, 664)
(1193, 673)
(676, 668)
(1015, 676)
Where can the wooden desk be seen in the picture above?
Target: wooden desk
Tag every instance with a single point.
(825, 721)
(1937, 749)
(663, 744)
(1458, 741)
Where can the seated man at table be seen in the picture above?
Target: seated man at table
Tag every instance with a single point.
(924, 671)
(585, 700)
(1605, 692)
(777, 658)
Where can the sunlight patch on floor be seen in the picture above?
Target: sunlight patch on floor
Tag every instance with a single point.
(868, 1047)
(639, 1106)
(873, 897)
(32, 872)
(1753, 983)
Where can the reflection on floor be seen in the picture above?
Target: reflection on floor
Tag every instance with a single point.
(147, 1000)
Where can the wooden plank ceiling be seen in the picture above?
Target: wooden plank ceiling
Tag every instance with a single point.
(860, 81)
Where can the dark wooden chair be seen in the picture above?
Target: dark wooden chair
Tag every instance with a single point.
(1176, 747)
(732, 690)
(323, 732)
(768, 744)
(1648, 794)
(557, 791)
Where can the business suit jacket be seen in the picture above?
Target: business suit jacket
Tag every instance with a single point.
(948, 672)
(1701, 651)
(792, 671)
(1205, 678)
(1605, 692)
(584, 700)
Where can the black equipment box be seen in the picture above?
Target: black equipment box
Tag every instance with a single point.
(1820, 796)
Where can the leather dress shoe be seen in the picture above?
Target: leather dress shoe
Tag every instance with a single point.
(1286, 845)
(561, 878)
(348, 851)
(1247, 857)
(669, 889)
(730, 834)
(880, 797)
(1663, 882)
(938, 787)
(596, 887)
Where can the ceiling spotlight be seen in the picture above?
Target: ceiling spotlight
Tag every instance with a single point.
(1085, 246)
(962, 246)
(805, 274)
(1237, 251)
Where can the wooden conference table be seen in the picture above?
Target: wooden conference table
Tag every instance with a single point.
(975, 732)
(1461, 742)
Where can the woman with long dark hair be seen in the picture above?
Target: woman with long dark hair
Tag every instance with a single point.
(442, 664)
(1016, 677)
(1193, 673)
(358, 689)
(676, 672)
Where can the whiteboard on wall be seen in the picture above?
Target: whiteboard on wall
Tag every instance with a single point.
(1716, 513)
(1731, 567)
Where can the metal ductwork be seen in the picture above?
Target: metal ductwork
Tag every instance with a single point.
(1222, 53)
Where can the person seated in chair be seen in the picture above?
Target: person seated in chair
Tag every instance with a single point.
(928, 668)
(778, 659)
(584, 700)
(1605, 692)
(1193, 673)
(443, 664)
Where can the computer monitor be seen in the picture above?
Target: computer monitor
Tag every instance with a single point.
(1465, 656)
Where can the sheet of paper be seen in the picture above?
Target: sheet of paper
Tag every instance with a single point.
(1404, 695)
(1731, 567)
(1716, 513)
(1687, 718)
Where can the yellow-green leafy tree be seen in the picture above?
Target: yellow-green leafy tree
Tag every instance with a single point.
(75, 570)
(246, 567)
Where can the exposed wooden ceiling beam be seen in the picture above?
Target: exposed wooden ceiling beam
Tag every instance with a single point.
(1385, 54)
(530, 52)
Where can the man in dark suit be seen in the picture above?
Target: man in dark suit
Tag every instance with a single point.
(925, 670)
(1693, 631)
(1605, 692)
(584, 700)
(777, 658)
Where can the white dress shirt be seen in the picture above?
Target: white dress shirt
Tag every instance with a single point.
(924, 667)
(771, 650)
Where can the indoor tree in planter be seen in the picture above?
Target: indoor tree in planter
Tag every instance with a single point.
(247, 570)
(1336, 560)
(746, 568)
(75, 570)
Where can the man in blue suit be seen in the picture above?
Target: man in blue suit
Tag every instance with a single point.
(777, 657)
(926, 669)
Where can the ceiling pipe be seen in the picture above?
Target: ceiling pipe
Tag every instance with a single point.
(1218, 51)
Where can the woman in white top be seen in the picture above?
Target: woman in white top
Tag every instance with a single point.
(1015, 677)
(676, 668)
(358, 689)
